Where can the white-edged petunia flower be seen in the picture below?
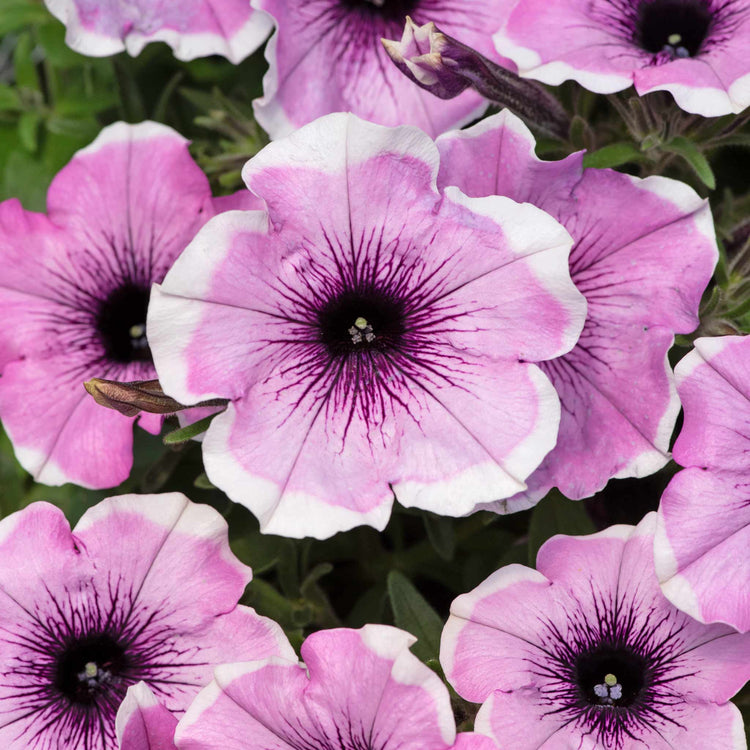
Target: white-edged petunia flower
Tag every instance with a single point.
(373, 335)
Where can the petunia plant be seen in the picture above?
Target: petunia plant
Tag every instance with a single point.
(434, 315)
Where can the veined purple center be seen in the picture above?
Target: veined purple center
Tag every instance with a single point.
(121, 322)
(610, 676)
(392, 10)
(91, 668)
(675, 27)
(359, 321)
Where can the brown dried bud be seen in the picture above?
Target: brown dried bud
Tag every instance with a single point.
(131, 398)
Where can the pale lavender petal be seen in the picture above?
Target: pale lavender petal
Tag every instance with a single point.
(193, 28)
(134, 196)
(327, 56)
(242, 200)
(473, 741)
(143, 723)
(24, 295)
(715, 392)
(356, 687)
(634, 306)
(704, 514)
(702, 539)
(513, 721)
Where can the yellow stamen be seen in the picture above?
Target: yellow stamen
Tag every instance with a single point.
(361, 323)
(610, 680)
(674, 39)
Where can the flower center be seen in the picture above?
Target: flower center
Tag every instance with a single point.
(89, 667)
(677, 28)
(121, 322)
(610, 676)
(392, 10)
(359, 321)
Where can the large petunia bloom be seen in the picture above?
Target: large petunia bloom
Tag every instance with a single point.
(695, 49)
(356, 689)
(644, 252)
(145, 589)
(587, 653)
(74, 291)
(702, 541)
(326, 56)
(373, 335)
(192, 28)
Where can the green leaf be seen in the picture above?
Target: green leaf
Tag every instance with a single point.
(28, 130)
(19, 14)
(160, 110)
(9, 99)
(51, 38)
(694, 157)
(86, 129)
(735, 139)
(441, 534)
(413, 613)
(556, 514)
(188, 432)
(23, 65)
(613, 155)
(26, 179)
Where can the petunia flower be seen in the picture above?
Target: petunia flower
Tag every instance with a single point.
(695, 49)
(143, 723)
(644, 252)
(586, 652)
(326, 56)
(192, 28)
(74, 291)
(356, 689)
(374, 336)
(145, 589)
(704, 517)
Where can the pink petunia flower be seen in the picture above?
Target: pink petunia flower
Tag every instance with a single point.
(373, 335)
(643, 271)
(143, 723)
(704, 518)
(192, 28)
(326, 56)
(356, 689)
(74, 291)
(587, 653)
(144, 589)
(695, 49)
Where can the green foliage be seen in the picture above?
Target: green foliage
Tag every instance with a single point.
(412, 612)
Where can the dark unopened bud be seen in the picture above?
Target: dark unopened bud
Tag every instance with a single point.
(445, 67)
(131, 398)
(137, 396)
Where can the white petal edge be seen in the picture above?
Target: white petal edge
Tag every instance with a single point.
(333, 143)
